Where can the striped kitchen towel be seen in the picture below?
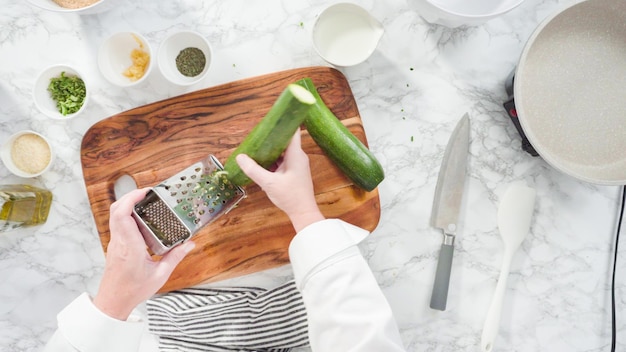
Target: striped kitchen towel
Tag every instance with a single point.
(229, 319)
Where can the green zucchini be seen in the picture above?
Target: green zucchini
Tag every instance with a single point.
(341, 146)
(270, 137)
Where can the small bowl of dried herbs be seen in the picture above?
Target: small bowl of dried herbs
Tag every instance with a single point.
(60, 92)
(184, 57)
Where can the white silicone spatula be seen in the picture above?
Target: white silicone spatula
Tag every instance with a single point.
(514, 214)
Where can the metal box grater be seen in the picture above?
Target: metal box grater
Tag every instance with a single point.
(180, 206)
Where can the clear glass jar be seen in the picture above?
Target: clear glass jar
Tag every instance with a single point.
(23, 205)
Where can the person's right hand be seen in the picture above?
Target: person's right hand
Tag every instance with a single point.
(290, 186)
(131, 276)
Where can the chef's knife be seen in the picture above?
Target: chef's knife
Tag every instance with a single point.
(446, 205)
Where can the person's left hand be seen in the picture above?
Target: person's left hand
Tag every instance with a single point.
(131, 276)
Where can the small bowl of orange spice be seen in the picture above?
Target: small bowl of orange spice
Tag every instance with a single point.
(125, 59)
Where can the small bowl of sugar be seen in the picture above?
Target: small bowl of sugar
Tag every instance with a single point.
(27, 154)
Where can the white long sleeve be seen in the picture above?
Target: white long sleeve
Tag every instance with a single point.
(83, 327)
(346, 309)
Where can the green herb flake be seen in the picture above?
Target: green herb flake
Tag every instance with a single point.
(411, 138)
(190, 61)
(68, 92)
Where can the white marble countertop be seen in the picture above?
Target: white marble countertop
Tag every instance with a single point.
(410, 93)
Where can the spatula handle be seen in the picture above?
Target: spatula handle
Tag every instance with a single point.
(439, 296)
(492, 322)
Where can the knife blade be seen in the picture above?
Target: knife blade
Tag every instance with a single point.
(447, 204)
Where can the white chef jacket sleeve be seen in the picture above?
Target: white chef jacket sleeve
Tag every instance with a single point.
(346, 309)
(83, 327)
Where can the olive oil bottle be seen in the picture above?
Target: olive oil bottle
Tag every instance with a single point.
(23, 205)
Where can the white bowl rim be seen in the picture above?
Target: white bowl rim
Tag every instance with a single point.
(5, 155)
(58, 8)
(333, 7)
(100, 56)
(191, 80)
(57, 115)
(471, 16)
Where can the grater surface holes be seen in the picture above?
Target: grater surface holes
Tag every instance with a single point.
(179, 206)
(202, 196)
(164, 222)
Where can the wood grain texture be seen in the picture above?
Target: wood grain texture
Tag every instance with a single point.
(155, 141)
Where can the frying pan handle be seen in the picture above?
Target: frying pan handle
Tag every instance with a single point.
(509, 106)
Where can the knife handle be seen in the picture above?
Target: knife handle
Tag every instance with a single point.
(442, 276)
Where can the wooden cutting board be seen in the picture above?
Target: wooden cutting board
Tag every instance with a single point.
(155, 141)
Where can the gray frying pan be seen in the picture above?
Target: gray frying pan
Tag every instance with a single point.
(570, 91)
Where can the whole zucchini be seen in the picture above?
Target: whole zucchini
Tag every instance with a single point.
(340, 145)
(270, 137)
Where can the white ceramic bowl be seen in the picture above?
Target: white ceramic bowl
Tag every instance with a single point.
(456, 13)
(31, 148)
(100, 6)
(346, 34)
(171, 47)
(43, 98)
(114, 58)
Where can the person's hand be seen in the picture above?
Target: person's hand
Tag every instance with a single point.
(131, 276)
(290, 186)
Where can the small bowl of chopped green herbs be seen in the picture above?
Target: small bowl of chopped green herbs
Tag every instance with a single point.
(60, 92)
(184, 57)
